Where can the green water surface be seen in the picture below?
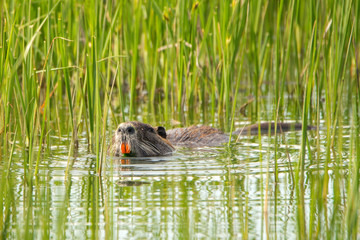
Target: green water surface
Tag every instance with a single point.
(237, 192)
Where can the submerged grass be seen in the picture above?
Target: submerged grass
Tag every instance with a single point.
(95, 64)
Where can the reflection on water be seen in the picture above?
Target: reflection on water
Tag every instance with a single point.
(224, 193)
(127, 183)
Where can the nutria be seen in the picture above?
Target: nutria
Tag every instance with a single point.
(142, 140)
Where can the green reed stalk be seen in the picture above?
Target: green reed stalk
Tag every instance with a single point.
(353, 198)
(300, 171)
(7, 86)
(342, 25)
(135, 42)
(104, 118)
(278, 53)
(214, 74)
(97, 107)
(239, 34)
(181, 66)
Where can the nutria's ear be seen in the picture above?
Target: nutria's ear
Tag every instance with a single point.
(161, 131)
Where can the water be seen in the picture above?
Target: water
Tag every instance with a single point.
(199, 193)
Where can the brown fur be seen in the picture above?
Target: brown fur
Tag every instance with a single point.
(143, 140)
(198, 136)
(146, 140)
(267, 127)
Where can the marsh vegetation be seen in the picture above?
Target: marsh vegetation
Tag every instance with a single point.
(71, 71)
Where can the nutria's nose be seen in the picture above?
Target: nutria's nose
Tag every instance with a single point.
(130, 130)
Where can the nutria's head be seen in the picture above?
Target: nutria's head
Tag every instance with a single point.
(139, 140)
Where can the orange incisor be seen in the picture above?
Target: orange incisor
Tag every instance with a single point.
(125, 148)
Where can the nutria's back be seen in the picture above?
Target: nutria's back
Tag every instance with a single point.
(200, 136)
(267, 127)
(197, 136)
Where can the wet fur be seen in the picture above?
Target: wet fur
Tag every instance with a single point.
(155, 141)
(146, 141)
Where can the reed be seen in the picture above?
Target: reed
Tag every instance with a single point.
(68, 68)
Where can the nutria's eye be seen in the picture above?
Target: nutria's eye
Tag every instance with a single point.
(161, 131)
(151, 130)
(130, 130)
